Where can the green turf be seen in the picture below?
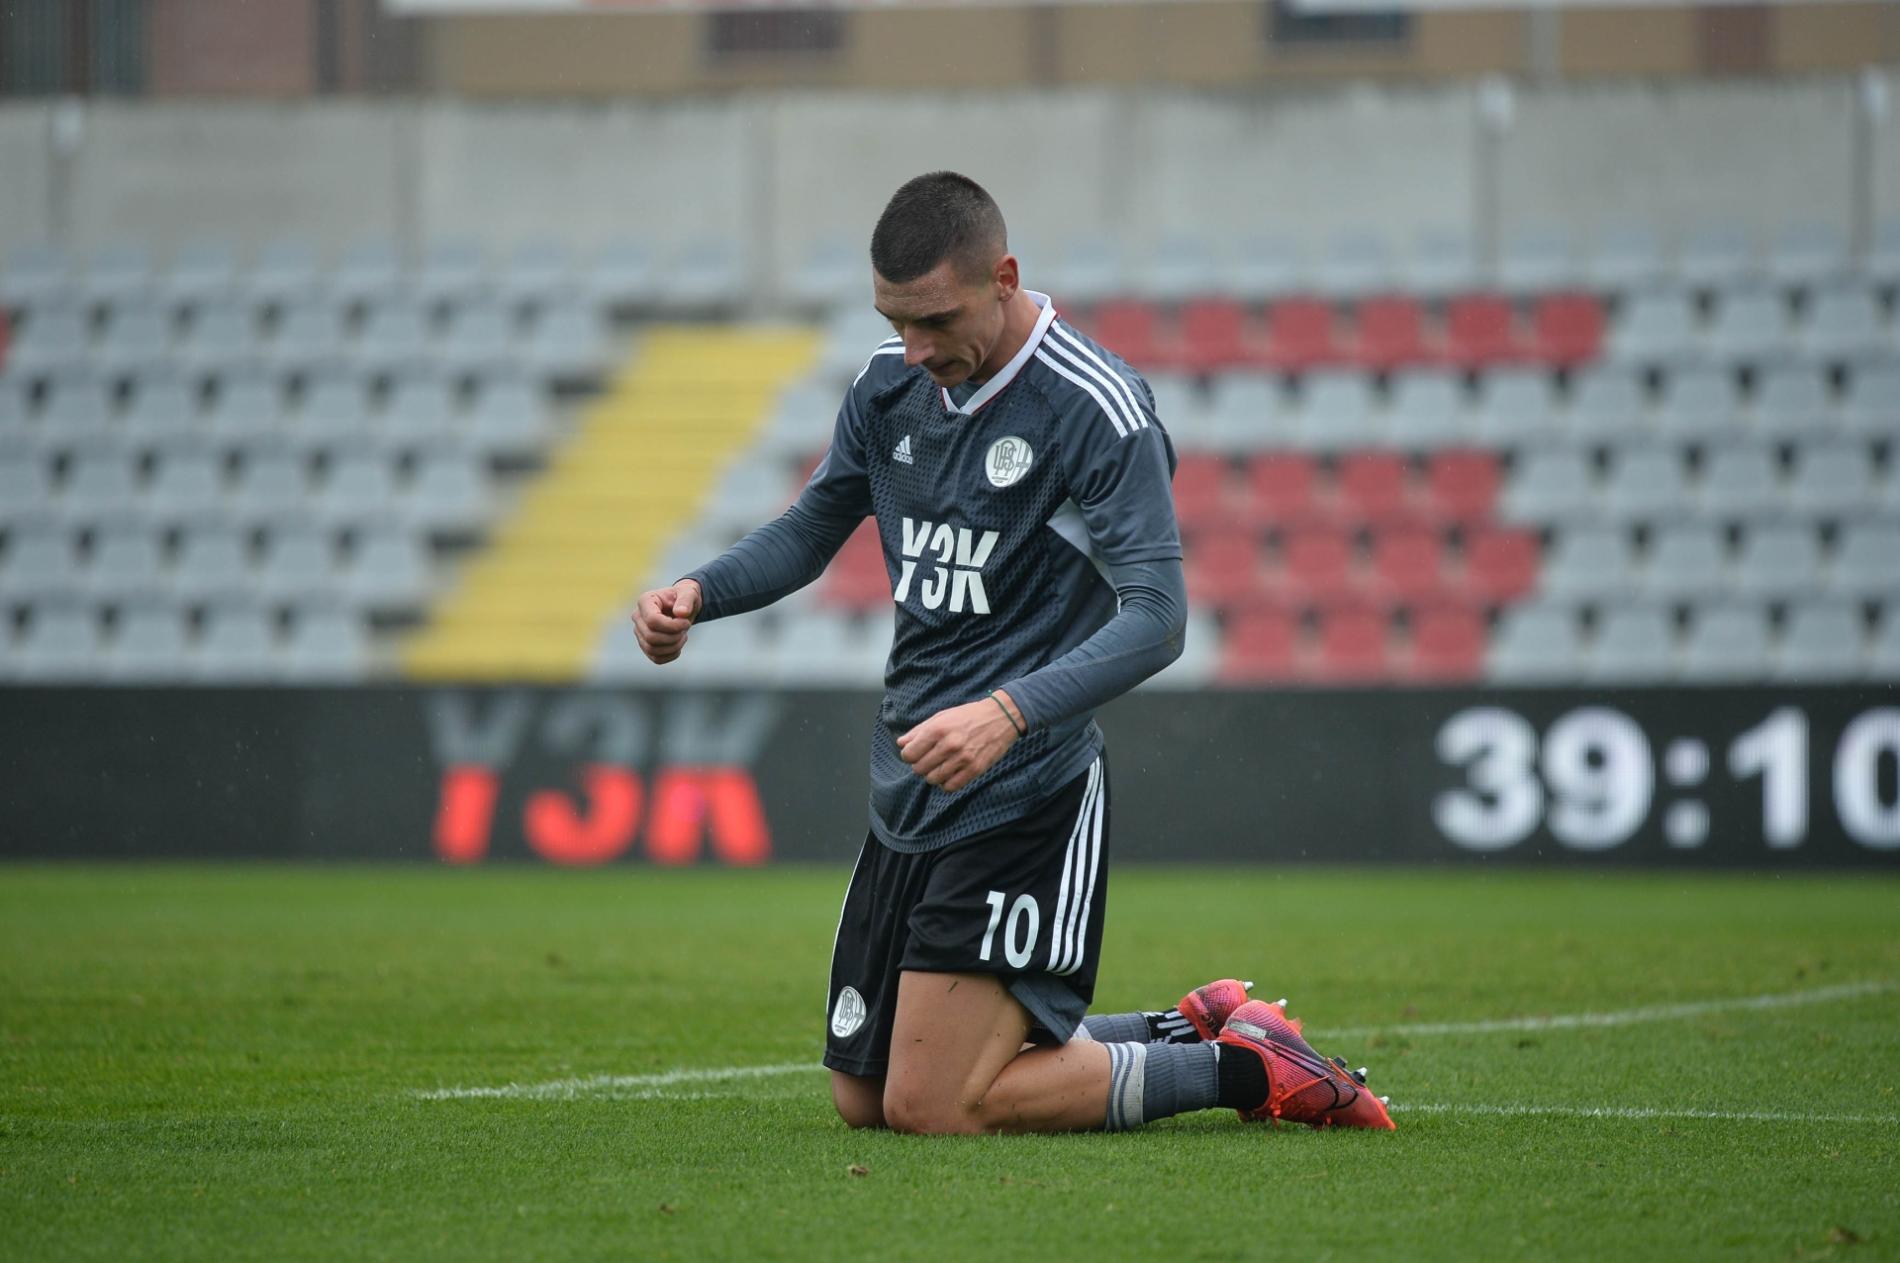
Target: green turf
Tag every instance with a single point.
(218, 1063)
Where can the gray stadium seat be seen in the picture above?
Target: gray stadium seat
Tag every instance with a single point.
(368, 272)
(286, 268)
(452, 273)
(1607, 403)
(299, 562)
(1656, 327)
(1517, 407)
(1778, 560)
(621, 275)
(1587, 563)
(1844, 322)
(118, 274)
(102, 480)
(336, 410)
(851, 335)
(1832, 480)
(830, 272)
(395, 336)
(309, 337)
(1428, 410)
(1537, 260)
(1749, 325)
(1177, 403)
(54, 339)
(707, 273)
(34, 275)
(62, 643)
(388, 569)
(1792, 400)
(538, 271)
(832, 650)
(507, 415)
(1872, 402)
(1355, 264)
(1337, 410)
(187, 481)
(1089, 271)
(748, 493)
(126, 563)
(270, 478)
(1181, 266)
(420, 410)
(1535, 644)
(151, 645)
(1699, 403)
(78, 410)
(1741, 481)
(801, 421)
(1867, 561)
(26, 482)
(238, 644)
(1551, 485)
(1646, 484)
(1716, 253)
(1883, 658)
(1626, 257)
(1262, 267)
(164, 407)
(202, 271)
(1726, 642)
(568, 342)
(1441, 261)
(1882, 264)
(38, 564)
(358, 485)
(480, 337)
(1808, 253)
(16, 405)
(1820, 643)
(1633, 644)
(223, 336)
(1687, 560)
(214, 562)
(245, 408)
(450, 492)
(327, 644)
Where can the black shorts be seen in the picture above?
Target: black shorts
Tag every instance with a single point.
(1024, 901)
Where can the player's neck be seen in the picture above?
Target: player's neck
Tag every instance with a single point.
(1019, 321)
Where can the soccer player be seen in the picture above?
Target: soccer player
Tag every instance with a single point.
(1020, 481)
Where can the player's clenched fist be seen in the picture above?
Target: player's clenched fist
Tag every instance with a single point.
(661, 618)
(955, 746)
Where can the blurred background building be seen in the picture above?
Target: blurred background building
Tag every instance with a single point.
(354, 341)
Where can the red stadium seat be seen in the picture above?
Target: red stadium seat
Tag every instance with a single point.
(1213, 336)
(1131, 330)
(1260, 646)
(1447, 645)
(1501, 565)
(1480, 330)
(1567, 329)
(1352, 647)
(1461, 486)
(1202, 492)
(856, 578)
(1317, 567)
(1301, 334)
(1390, 333)
(1374, 488)
(1408, 566)
(1282, 488)
(1223, 570)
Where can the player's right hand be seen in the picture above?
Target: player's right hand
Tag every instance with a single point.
(661, 618)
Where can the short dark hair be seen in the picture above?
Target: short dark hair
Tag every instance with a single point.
(935, 217)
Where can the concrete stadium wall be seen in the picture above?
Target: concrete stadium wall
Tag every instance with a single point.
(780, 170)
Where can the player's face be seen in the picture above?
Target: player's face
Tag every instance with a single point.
(950, 323)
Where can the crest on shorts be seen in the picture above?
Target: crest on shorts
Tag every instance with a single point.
(1008, 460)
(847, 1014)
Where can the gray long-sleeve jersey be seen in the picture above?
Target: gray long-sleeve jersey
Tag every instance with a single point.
(1029, 532)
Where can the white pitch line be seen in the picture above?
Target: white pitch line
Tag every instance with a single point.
(649, 1087)
(1637, 1112)
(1620, 1017)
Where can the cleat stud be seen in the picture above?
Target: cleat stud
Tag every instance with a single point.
(1385, 1100)
(1281, 1002)
(1246, 986)
(1361, 1072)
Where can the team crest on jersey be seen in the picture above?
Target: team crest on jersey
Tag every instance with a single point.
(848, 1014)
(1008, 460)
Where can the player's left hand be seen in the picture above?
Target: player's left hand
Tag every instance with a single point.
(955, 746)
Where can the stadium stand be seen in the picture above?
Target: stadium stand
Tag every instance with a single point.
(1607, 460)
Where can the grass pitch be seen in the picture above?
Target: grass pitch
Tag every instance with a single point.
(238, 1062)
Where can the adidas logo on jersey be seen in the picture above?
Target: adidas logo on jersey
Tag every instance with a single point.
(901, 453)
(958, 580)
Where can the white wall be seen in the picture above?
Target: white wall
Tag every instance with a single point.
(26, 176)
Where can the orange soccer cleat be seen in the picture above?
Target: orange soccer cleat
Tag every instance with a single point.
(1302, 1086)
(1207, 1008)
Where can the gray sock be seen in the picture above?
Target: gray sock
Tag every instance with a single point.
(1117, 1028)
(1150, 1081)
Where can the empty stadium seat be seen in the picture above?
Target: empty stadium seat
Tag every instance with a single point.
(1373, 488)
(1808, 253)
(1517, 407)
(1407, 567)
(1447, 646)
(568, 343)
(1318, 566)
(1656, 327)
(1567, 329)
(1353, 647)
(101, 480)
(1633, 644)
(1832, 480)
(285, 269)
(1355, 264)
(1441, 261)
(327, 644)
(480, 337)
(1749, 325)
(506, 415)
(1844, 322)
(270, 479)
(1625, 256)
(1262, 267)
(1481, 330)
(1461, 486)
(830, 270)
(1202, 492)
(1587, 563)
(1181, 266)
(388, 569)
(1608, 402)
(623, 274)
(449, 494)
(299, 561)
(125, 563)
(1500, 564)
(137, 337)
(1821, 643)
(117, 275)
(1867, 561)
(1338, 410)
(164, 407)
(1260, 646)
(1089, 270)
(1282, 487)
(35, 273)
(1223, 570)
(1741, 481)
(1686, 560)
(1551, 485)
(62, 643)
(1428, 410)
(1213, 336)
(1388, 332)
(1872, 402)
(1538, 259)
(1301, 334)
(1792, 400)
(452, 273)
(54, 339)
(213, 563)
(1778, 560)
(1131, 330)
(151, 645)
(237, 644)
(1883, 657)
(40, 563)
(368, 272)
(223, 336)
(1699, 403)
(187, 481)
(537, 272)
(1535, 644)
(309, 337)
(78, 410)
(358, 485)
(1727, 643)
(1715, 252)
(420, 410)
(1646, 484)
(395, 336)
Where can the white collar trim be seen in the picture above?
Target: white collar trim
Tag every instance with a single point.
(994, 386)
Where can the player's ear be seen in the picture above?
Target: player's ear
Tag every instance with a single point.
(1006, 277)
